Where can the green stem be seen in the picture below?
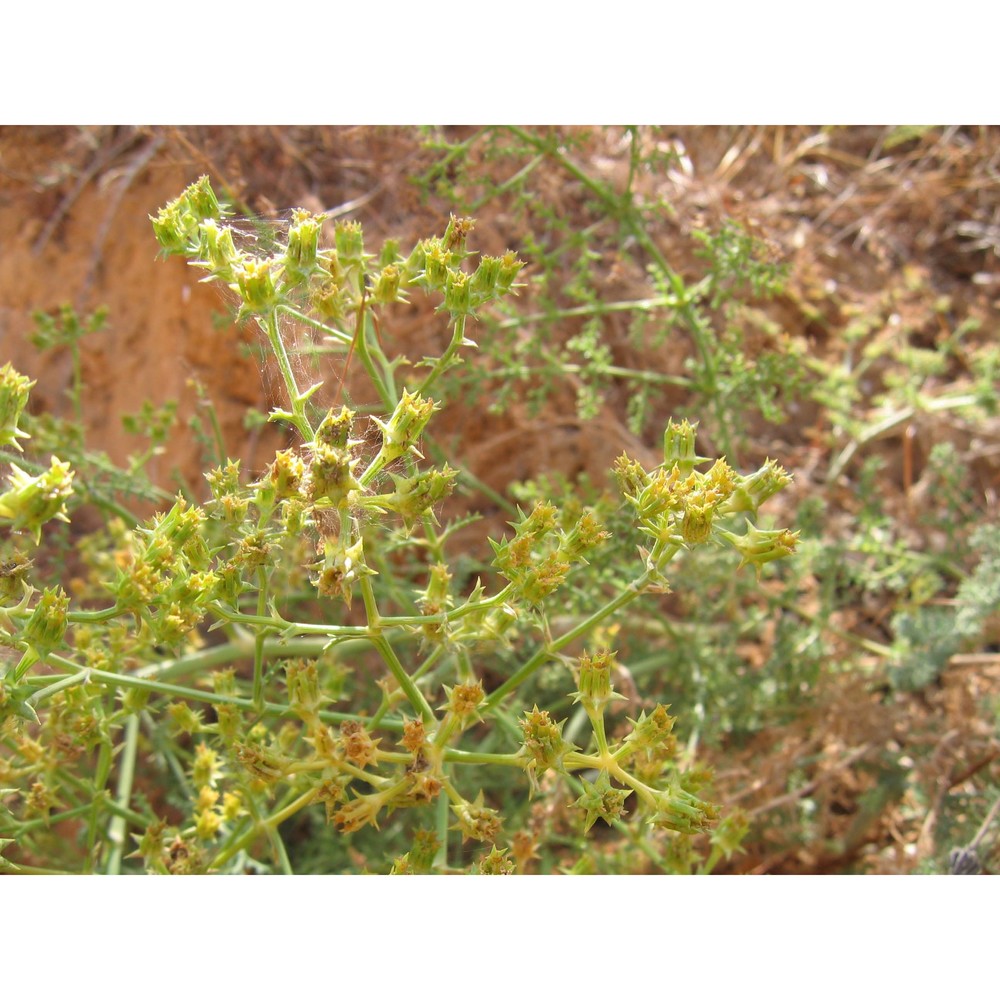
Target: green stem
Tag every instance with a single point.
(77, 391)
(108, 804)
(384, 385)
(442, 816)
(101, 775)
(648, 849)
(371, 608)
(597, 725)
(593, 309)
(258, 649)
(549, 649)
(60, 685)
(123, 793)
(413, 694)
(625, 210)
(221, 453)
(444, 362)
(280, 854)
(55, 818)
(297, 402)
(289, 629)
(200, 662)
(714, 857)
(455, 756)
(209, 697)
(84, 617)
(32, 870)
(507, 185)
(268, 826)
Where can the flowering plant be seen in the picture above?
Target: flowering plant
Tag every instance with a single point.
(300, 649)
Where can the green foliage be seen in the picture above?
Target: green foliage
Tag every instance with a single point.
(927, 637)
(574, 329)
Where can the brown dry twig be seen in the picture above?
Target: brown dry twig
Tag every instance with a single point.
(105, 155)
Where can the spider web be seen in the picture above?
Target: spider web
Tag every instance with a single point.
(309, 350)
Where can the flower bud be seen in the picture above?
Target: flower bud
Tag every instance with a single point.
(12, 577)
(254, 551)
(696, 526)
(678, 447)
(415, 265)
(496, 863)
(759, 546)
(418, 494)
(330, 299)
(653, 732)
(331, 474)
(359, 812)
(285, 475)
(359, 748)
(14, 389)
(476, 821)
(173, 534)
(302, 682)
(543, 744)
(497, 623)
(389, 253)
(343, 565)
(219, 251)
(436, 259)
(293, 516)
(682, 811)
(463, 699)
(751, 491)
(435, 599)
(184, 718)
(405, 426)
(350, 244)
(386, 287)
(543, 578)
(201, 200)
(206, 770)
(224, 480)
(414, 735)
(303, 241)
(46, 627)
(631, 477)
(594, 680)
(255, 283)
(485, 279)
(602, 799)
(335, 430)
(33, 500)
(177, 225)
(456, 233)
(170, 230)
(586, 535)
(729, 834)
(510, 266)
(457, 293)
(265, 765)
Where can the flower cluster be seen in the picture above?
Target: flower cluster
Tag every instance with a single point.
(678, 506)
(538, 558)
